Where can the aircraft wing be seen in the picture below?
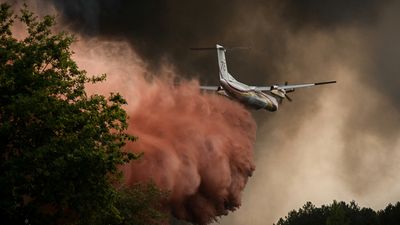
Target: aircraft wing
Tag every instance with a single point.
(209, 88)
(261, 88)
(290, 87)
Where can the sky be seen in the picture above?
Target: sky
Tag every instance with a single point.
(337, 141)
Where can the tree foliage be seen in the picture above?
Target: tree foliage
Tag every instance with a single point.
(341, 213)
(141, 205)
(390, 215)
(59, 148)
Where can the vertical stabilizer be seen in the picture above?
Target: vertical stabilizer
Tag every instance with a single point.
(223, 70)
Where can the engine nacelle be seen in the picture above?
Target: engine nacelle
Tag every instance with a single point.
(278, 92)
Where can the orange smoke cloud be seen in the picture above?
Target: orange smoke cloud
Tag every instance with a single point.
(197, 146)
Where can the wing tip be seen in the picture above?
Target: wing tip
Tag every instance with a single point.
(325, 82)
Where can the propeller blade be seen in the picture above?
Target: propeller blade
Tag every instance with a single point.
(288, 98)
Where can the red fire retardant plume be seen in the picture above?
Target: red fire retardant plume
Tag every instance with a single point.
(197, 146)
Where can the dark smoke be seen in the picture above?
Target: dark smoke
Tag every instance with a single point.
(161, 30)
(326, 15)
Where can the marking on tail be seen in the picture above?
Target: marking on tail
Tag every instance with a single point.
(223, 70)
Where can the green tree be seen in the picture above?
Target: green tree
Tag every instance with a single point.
(337, 213)
(140, 205)
(307, 215)
(59, 148)
(390, 215)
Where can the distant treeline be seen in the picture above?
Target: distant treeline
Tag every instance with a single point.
(341, 213)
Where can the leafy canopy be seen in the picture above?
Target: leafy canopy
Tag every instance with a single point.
(341, 213)
(59, 148)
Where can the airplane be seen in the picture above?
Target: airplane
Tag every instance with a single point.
(255, 97)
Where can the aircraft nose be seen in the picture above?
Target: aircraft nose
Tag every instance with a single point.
(271, 107)
(274, 105)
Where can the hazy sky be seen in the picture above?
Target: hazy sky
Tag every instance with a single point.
(337, 141)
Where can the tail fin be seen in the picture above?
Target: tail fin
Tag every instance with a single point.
(223, 70)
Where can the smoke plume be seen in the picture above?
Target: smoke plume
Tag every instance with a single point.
(196, 146)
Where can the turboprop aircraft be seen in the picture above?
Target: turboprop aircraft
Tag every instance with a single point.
(256, 97)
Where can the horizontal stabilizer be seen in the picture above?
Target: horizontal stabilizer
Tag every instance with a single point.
(209, 88)
(220, 47)
(206, 48)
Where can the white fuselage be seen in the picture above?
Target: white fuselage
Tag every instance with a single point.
(247, 96)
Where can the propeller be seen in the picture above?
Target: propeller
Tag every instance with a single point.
(287, 96)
